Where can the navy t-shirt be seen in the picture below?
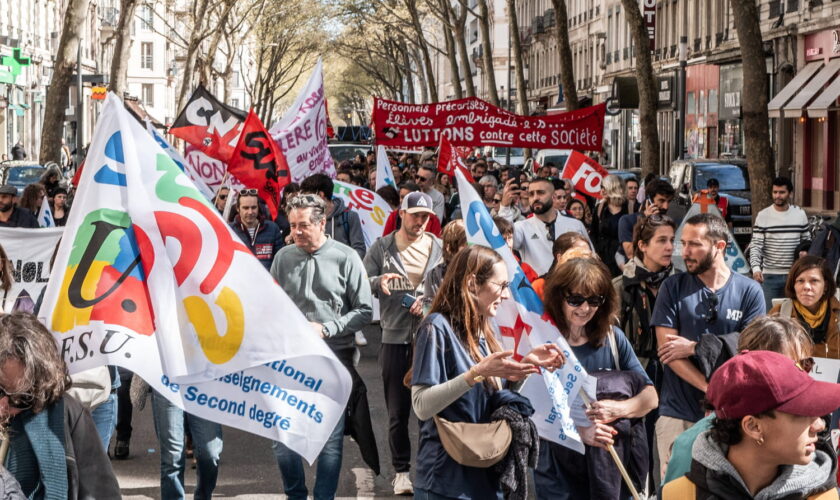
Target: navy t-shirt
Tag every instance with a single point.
(601, 358)
(625, 229)
(439, 356)
(684, 304)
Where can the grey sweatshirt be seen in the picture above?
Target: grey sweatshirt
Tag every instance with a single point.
(329, 286)
(398, 324)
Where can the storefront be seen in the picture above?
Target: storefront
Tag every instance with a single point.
(701, 115)
(731, 141)
(811, 99)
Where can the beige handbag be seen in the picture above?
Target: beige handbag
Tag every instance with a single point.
(474, 445)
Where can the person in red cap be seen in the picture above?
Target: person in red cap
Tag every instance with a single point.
(763, 441)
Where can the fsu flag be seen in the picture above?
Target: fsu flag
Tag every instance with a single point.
(209, 125)
(449, 160)
(585, 173)
(258, 163)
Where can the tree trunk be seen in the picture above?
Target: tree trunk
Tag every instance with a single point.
(754, 103)
(192, 49)
(487, 52)
(207, 69)
(647, 88)
(452, 57)
(409, 80)
(459, 33)
(122, 48)
(518, 60)
(58, 92)
(564, 49)
(427, 61)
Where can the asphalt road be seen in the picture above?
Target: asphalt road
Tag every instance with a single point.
(248, 469)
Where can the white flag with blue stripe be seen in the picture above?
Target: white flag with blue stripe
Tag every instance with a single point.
(384, 174)
(45, 215)
(522, 325)
(179, 160)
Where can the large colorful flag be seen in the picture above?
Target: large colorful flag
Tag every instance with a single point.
(585, 173)
(209, 125)
(302, 132)
(258, 163)
(555, 396)
(450, 160)
(180, 161)
(149, 277)
(29, 252)
(384, 174)
(372, 209)
(45, 215)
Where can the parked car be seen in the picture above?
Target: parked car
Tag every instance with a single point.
(556, 157)
(20, 173)
(690, 176)
(499, 155)
(631, 173)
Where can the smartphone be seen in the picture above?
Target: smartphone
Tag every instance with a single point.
(408, 301)
(516, 175)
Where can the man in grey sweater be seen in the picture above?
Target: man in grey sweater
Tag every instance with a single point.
(327, 281)
(397, 265)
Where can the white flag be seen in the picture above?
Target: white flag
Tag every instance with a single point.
(372, 209)
(45, 216)
(384, 174)
(149, 277)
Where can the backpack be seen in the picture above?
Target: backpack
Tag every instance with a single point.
(684, 489)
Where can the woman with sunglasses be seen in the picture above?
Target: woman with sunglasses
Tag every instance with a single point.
(458, 365)
(810, 299)
(54, 448)
(581, 300)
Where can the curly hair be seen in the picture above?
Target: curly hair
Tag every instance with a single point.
(30, 195)
(24, 338)
(727, 431)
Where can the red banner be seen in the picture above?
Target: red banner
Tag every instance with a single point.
(585, 173)
(258, 163)
(473, 122)
(449, 160)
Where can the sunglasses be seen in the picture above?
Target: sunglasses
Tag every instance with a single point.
(711, 303)
(806, 365)
(577, 300)
(222, 196)
(421, 178)
(19, 401)
(248, 192)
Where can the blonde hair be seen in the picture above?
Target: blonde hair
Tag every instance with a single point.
(614, 191)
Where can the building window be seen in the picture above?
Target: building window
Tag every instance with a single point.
(234, 79)
(148, 95)
(147, 55)
(690, 107)
(147, 18)
(234, 102)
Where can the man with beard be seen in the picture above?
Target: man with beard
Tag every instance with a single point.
(708, 299)
(534, 237)
(260, 235)
(12, 216)
(778, 231)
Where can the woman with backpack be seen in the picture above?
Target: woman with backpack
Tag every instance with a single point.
(810, 300)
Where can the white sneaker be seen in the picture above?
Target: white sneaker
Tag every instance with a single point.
(361, 341)
(402, 484)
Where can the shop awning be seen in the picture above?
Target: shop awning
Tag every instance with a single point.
(775, 105)
(796, 106)
(825, 100)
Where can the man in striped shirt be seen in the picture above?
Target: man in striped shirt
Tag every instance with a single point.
(778, 230)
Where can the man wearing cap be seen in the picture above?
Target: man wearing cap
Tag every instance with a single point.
(396, 265)
(11, 215)
(764, 440)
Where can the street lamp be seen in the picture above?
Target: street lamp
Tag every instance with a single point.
(681, 96)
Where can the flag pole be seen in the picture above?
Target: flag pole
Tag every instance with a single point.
(610, 448)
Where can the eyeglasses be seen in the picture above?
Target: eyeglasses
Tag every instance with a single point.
(711, 303)
(248, 192)
(655, 218)
(421, 178)
(806, 365)
(497, 200)
(18, 400)
(222, 196)
(502, 286)
(577, 300)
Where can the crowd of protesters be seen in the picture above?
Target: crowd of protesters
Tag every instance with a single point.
(702, 373)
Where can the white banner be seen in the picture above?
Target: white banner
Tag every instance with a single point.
(149, 277)
(29, 251)
(210, 170)
(372, 209)
(302, 132)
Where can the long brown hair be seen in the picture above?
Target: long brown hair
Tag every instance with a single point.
(588, 277)
(455, 300)
(30, 195)
(6, 276)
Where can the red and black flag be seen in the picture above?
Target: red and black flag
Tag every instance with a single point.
(257, 162)
(209, 125)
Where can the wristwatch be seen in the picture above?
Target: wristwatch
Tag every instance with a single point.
(477, 378)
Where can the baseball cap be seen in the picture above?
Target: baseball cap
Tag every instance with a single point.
(6, 189)
(754, 382)
(417, 202)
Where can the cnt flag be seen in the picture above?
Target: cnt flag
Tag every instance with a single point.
(149, 277)
(259, 163)
(209, 125)
(585, 173)
(450, 160)
(523, 325)
(45, 215)
(384, 174)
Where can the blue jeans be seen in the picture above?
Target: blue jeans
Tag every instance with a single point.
(207, 441)
(105, 418)
(773, 288)
(326, 475)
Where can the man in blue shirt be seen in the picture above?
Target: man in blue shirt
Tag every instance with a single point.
(709, 298)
